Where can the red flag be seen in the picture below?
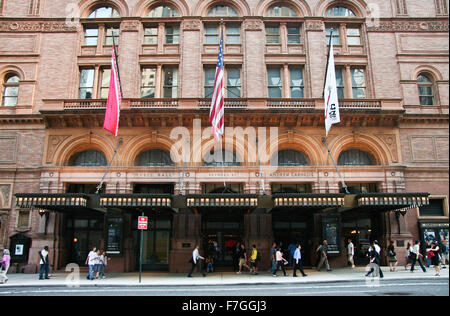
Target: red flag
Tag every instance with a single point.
(114, 102)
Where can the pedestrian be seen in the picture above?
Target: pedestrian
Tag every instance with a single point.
(209, 264)
(5, 263)
(236, 250)
(273, 258)
(444, 250)
(375, 262)
(427, 249)
(45, 266)
(97, 264)
(280, 262)
(254, 260)
(91, 260)
(291, 250)
(323, 255)
(351, 253)
(298, 261)
(416, 255)
(408, 258)
(103, 263)
(433, 254)
(377, 247)
(195, 261)
(392, 257)
(243, 259)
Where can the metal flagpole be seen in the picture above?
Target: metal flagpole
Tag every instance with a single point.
(109, 166)
(324, 140)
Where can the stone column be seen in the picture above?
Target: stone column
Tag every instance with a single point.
(258, 231)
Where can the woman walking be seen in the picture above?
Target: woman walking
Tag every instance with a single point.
(375, 262)
(392, 257)
(280, 262)
(433, 254)
(5, 263)
(408, 255)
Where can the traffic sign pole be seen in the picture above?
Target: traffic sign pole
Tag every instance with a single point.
(140, 255)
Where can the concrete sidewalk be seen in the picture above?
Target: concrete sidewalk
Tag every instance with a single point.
(218, 278)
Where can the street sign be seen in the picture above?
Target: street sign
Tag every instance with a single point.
(142, 222)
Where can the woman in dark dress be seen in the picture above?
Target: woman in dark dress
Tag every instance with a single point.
(375, 261)
(392, 257)
(436, 259)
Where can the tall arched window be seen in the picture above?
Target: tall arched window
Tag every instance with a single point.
(10, 89)
(222, 10)
(163, 11)
(290, 157)
(88, 158)
(154, 158)
(281, 11)
(104, 12)
(425, 86)
(355, 157)
(227, 159)
(340, 11)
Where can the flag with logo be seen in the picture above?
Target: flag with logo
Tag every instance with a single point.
(332, 115)
(114, 101)
(216, 114)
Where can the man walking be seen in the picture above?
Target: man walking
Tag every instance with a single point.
(195, 262)
(415, 256)
(298, 261)
(273, 258)
(323, 253)
(91, 261)
(45, 266)
(243, 259)
(351, 253)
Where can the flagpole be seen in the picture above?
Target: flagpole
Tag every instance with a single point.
(324, 139)
(109, 166)
(223, 150)
(115, 56)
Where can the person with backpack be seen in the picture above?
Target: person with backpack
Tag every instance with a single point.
(254, 260)
(298, 261)
(45, 266)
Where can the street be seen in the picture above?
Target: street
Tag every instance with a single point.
(431, 287)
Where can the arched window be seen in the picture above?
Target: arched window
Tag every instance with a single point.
(425, 85)
(340, 11)
(227, 159)
(154, 158)
(222, 10)
(163, 11)
(104, 12)
(355, 157)
(290, 157)
(10, 90)
(88, 158)
(281, 11)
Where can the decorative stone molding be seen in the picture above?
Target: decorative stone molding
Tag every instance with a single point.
(191, 25)
(391, 143)
(410, 26)
(253, 25)
(130, 26)
(36, 26)
(314, 26)
(53, 143)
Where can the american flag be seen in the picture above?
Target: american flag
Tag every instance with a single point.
(114, 101)
(216, 115)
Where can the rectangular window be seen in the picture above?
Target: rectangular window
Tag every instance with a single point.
(151, 35)
(210, 74)
(170, 83)
(434, 208)
(272, 35)
(353, 37)
(112, 33)
(275, 83)
(340, 83)
(172, 34)
(358, 83)
(23, 219)
(212, 34)
(148, 82)
(233, 34)
(293, 34)
(90, 37)
(334, 36)
(233, 83)
(104, 85)
(86, 83)
(296, 82)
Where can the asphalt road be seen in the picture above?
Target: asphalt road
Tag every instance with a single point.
(431, 287)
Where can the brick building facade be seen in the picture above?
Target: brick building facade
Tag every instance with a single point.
(391, 145)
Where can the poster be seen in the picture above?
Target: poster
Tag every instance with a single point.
(19, 250)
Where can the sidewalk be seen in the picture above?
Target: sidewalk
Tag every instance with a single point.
(219, 278)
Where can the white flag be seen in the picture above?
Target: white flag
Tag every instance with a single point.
(330, 95)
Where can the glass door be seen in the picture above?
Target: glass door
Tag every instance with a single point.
(156, 245)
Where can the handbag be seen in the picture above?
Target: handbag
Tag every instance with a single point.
(430, 254)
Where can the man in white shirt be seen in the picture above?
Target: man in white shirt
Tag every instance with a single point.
(351, 253)
(91, 261)
(195, 262)
(45, 267)
(298, 261)
(377, 247)
(416, 256)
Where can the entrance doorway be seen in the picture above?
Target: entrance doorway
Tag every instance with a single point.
(221, 234)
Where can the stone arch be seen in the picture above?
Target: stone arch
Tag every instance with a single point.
(364, 142)
(79, 143)
(240, 6)
(301, 7)
(208, 144)
(12, 69)
(144, 6)
(433, 72)
(359, 7)
(138, 145)
(86, 6)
